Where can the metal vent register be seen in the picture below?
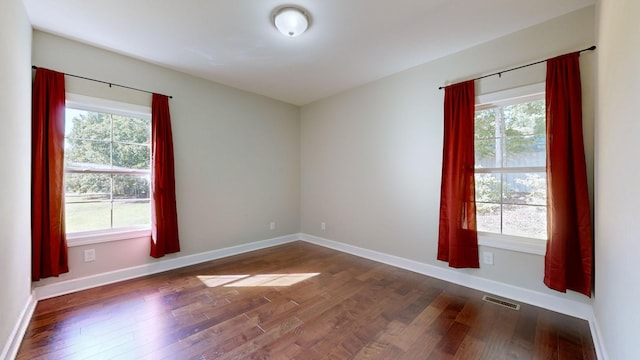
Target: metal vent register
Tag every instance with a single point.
(501, 302)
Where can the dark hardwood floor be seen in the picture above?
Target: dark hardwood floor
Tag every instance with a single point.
(295, 301)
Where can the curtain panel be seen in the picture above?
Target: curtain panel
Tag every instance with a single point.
(569, 254)
(164, 216)
(48, 236)
(457, 234)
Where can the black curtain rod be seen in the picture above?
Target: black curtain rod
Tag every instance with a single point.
(107, 83)
(499, 73)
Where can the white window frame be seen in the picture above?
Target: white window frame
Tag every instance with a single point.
(502, 241)
(88, 103)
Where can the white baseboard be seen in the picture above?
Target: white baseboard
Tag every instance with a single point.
(565, 306)
(596, 334)
(546, 301)
(10, 349)
(73, 285)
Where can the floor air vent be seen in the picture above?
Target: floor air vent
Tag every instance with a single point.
(501, 302)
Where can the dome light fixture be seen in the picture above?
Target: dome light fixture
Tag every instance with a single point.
(291, 21)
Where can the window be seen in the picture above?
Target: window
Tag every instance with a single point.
(510, 174)
(107, 166)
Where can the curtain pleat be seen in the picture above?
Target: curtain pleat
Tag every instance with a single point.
(48, 235)
(164, 216)
(569, 254)
(457, 235)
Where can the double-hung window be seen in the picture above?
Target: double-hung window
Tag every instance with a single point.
(510, 167)
(107, 167)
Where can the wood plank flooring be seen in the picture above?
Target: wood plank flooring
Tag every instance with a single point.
(295, 301)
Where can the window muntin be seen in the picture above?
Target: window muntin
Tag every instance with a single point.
(107, 169)
(510, 148)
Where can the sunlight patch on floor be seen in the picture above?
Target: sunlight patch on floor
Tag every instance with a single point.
(255, 280)
(217, 280)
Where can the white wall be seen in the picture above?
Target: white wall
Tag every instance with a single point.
(236, 154)
(617, 292)
(15, 162)
(371, 156)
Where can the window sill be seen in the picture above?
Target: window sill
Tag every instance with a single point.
(96, 237)
(513, 243)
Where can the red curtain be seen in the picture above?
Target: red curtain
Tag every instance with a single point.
(568, 260)
(48, 235)
(458, 236)
(164, 216)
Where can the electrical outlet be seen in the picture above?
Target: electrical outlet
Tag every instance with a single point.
(323, 226)
(89, 255)
(272, 225)
(488, 257)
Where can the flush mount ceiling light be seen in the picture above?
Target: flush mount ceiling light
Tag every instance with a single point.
(291, 21)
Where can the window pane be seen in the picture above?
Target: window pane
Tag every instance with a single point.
(87, 187)
(485, 124)
(525, 151)
(130, 187)
(524, 220)
(485, 152)
(525, 188)
(131, 130)
(488, 188)
(488, 217)
(80, 124)
(131, 213)
(131, 156)
(525, 118)
(131, 200)
(87, 205)
(87, 154)
(87, 215)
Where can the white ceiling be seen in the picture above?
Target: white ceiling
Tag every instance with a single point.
(349, 42)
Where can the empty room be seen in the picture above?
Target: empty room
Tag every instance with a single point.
(319, 179)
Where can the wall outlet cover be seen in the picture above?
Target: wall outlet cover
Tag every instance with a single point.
(89, 255)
